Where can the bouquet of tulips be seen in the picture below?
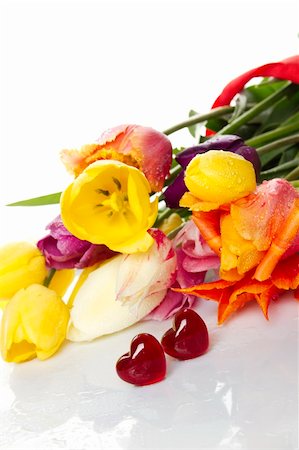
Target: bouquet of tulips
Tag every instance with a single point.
(145, 230)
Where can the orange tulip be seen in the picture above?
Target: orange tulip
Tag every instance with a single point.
(141, 147)
(254, 231)
(233, 295)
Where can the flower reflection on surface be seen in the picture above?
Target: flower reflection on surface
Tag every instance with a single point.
(224, 398)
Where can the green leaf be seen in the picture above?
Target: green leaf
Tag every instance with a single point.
(283, 112)
(257, 109)
(50, 199)
(279, 156)
(272, 157)
(216, 124)
(195, 129)
(246, 131)
(270, 175)
(241, 103)
(294, 118)
(192, 128)
(291, 154)
(259, 92)
(280, 170)
(275, 114)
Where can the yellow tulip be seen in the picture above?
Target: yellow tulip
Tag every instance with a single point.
(109, 203)
(3, 304)
(34, 324)
(217, 177)
(21, 264)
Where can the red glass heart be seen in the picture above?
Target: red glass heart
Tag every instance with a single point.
(188, 338)
(145, 363)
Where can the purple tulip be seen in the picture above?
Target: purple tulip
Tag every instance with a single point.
(62, 250)
(231, 143)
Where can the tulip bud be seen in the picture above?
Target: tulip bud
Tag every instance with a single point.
(21, 264)
(219, 177)
(230, 143)
(34, 324)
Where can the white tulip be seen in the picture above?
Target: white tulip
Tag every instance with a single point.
(122, 291)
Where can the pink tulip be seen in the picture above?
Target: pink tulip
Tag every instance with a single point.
(194, 259)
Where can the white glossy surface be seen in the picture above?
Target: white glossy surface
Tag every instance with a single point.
(242, 394)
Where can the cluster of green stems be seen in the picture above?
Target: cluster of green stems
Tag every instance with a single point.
(279, 138)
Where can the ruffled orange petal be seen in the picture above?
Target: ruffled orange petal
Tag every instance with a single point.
(237, 252)
(211, 290)
(264, 298)
(208, 224)
(282, 241)
(225, 309)
(259, 216)
(233, 295)
(135, 145)
(286, 273)
(77, 160)
(253, 290)
(231, 275)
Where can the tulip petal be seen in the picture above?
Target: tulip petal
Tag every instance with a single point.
(33, 324)
(281, 242)
(155, 151)
(231, 143)
(208, 224)
(109, 204)
(219, 176)
(21, 264)
(271, 203)
(141, 147)
(122, 291)
(144, 272)
(61, 281)
(286, 273)
(236, 252)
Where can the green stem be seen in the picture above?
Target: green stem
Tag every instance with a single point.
(284, 166)
(279, 143)
(173, 174)
(49, 277)
(293, 175)
(216, 112)
(272, 135)
(257, 109)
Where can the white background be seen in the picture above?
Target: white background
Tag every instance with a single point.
(71, 69)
